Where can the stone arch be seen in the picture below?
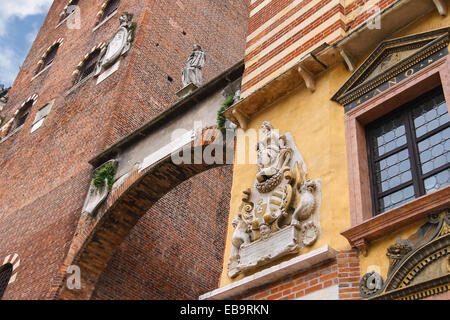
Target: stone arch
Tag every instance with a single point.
(96, 239)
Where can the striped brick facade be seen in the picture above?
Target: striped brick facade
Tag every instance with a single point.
(281, 32)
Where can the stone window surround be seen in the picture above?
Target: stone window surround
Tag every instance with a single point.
(364, 227)
(14, 131)
(76, 73)
(59, 42)
(100, 15)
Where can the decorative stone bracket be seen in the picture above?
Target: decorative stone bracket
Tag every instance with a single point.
(308, 78)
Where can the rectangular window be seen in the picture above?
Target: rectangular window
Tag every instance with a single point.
(409, 151)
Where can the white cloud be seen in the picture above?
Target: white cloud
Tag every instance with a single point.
(10, 61)
(20, 9)
(9, 65)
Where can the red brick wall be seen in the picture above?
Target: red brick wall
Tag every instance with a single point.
(45, 175)
(175, 250)
(344, 271)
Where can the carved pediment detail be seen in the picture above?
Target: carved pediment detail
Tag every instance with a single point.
(389, 59)
(419, 265)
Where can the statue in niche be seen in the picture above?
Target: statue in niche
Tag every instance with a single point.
(192, 72)
(279, 216)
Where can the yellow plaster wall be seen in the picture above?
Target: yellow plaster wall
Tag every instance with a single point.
(317, 125)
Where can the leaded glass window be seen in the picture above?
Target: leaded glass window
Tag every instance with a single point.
(409, 151)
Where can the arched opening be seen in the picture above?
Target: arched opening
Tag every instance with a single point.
(48, 58)
(5, 275)
(97, 239)
(89, 66)
(175, 250)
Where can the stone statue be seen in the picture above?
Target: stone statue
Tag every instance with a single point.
(192, 72)
(273, 154)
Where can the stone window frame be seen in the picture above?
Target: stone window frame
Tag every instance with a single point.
(76, 73)
(11, 123)
(39, 69)
(102, 20)
(364, 226)
(64, 12)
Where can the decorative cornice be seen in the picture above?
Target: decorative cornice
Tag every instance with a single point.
(427, 44)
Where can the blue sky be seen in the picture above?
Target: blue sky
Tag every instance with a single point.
(20, 21)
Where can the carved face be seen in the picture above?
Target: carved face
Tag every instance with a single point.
(265, 231)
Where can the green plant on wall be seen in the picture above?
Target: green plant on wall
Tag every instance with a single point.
(107, 172)
(220, 117)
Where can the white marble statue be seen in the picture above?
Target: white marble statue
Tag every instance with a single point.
(192, 72)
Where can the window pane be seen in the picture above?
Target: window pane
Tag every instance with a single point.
(388, 136)
(434, 151)
(437, 181)
(397, 198)
(430, 113)
(393, 171)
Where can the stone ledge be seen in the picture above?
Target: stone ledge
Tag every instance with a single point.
(295, 265)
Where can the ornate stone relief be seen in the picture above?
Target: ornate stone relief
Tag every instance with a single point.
(120, 43)
(95, 196)
(419, 265)
(280, 214)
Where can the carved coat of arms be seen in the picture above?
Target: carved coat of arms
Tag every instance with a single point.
(280, 215)
(119, 44)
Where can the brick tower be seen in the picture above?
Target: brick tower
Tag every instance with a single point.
(61, 112)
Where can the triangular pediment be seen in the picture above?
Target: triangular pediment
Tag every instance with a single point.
(389, 59)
